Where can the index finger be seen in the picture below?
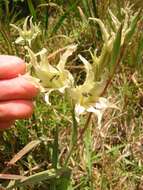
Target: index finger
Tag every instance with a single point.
(6, 124)
(11, 66)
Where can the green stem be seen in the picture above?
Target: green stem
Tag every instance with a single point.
(104, 91)
(73, 137)
(123, 49)
(85, 126)
(55, 148)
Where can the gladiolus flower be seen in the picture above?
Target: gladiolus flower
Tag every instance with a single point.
(86, 97)
(28, 32)
(52, 77)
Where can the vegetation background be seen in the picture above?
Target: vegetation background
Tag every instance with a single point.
(110, 158)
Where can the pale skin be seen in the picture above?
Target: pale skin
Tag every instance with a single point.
(16, 93)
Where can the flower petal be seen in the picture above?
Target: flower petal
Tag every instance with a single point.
(115, 20)
(64, 57)
(105, 33)
(47, 97)
(33, 58)
(25, 25)
(19, 40)
(78, 111)
(89, 70)
(16, 27)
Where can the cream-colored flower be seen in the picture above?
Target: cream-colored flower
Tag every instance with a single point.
(86, 97)
(52, 77)
(126, 27)
(28, 32)
(127, 23)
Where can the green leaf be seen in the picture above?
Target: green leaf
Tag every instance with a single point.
(139, 52)
(132, 27)
(32, 9)
(48, 175)
(116, 49)
(64, 183)
(86, 7)
(88, 151)
(95, 12)
(55, 148)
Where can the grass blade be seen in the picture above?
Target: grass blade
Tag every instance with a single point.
(95, 12)
(86, 7)
(116, 49)
(133, 27)
(55, 148)
(31, 9)
(139, 52)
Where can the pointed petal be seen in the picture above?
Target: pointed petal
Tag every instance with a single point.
(33, 58)
(78, 111)
(16, 27)
(47, 97)
(94, 57)
(19, 40)
(31, 23)
(126, 22)
(64, 57)
(98, 113)
(62, 90)
(115, 21)
(43, 57)
(105, 33)
(102, 103)
(25, 25)
(89, 71)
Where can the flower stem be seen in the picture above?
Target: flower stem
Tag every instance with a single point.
(85, 126)
(123, 49)
(73, 137)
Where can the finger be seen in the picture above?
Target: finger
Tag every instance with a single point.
(4, 125)
(15, 109)
(17, 88)
(11, 66)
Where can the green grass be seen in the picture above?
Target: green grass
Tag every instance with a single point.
(83, 157)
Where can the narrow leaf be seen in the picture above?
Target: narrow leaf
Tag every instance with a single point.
(139, 51)
(116, 48)
(55, 148)
(86, 7)
(41, 176)
(133, 27)
(94, 3)
(32, 9)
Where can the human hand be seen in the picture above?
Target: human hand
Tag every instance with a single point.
(16, 93)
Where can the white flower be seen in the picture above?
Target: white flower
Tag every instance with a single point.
(28, 32)
(52, 77)
(86, 97)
